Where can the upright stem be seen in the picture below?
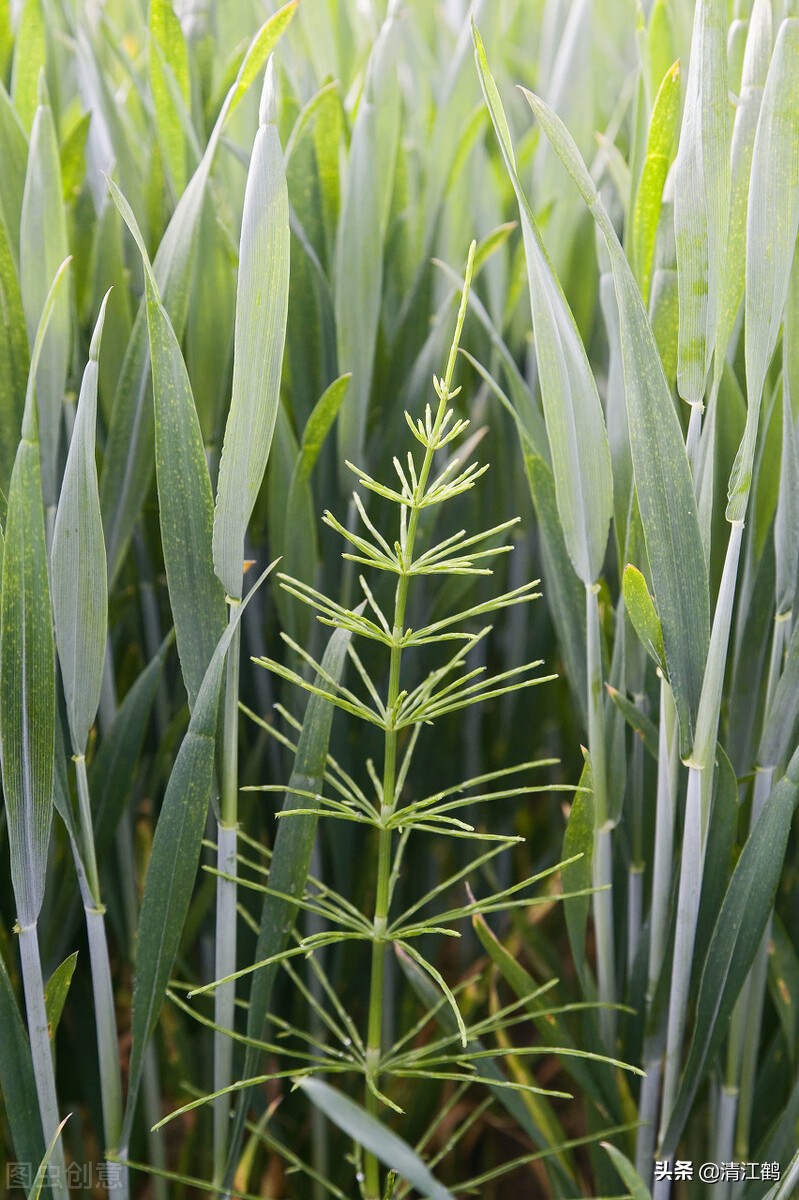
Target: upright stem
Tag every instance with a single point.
(127, 871)
(39, 1037)
(374, 1045)
(225, 947)
(694, 437)
(691, 871)
(668, 760)
(748, 1013)
(102, 985)
(697, 819)
(603, 849)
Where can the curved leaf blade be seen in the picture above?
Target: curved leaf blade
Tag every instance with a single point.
(370, 1133)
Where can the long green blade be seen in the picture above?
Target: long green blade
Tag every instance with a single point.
(185, 501)
(772, 224)
(79, 585)
(17, 1081)
(702, 196)
(169, 63)
(30, 53)
(27, 669)
(14, 359)
(660, 464)
(757, 55)
(649, 195)
(43, 247)
(261, 311)
(575, 423)
(370, 1133)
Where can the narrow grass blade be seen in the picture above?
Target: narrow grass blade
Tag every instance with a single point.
(14, 361)
(30, 53)
(743, 917)
(786, 522)
(43, 247)
(643, 616)
(557, 569)
(261, 310)
(361, 235)
(578, 844)
(757, 56)
(779, 731)
(27, 718)
(629, 1176)
(575, 423)
(702, 196)
(79, 585)
(42, 1170)
(184, 488)
(370, 1133)
(17, 1080)
(168, 53)
(14, 156)
(27, 671)
(56, 991)
(657, 159)
(772, 224)
(128, 461)
(662, 474)
(173, 863)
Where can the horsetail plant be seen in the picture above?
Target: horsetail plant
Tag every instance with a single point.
(400, 716)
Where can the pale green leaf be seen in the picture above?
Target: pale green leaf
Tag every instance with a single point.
(574, 419)
(629, 1176)
(370, 1133)
(43, 247)
(27, 669)
(30, 51)
(772, 223)
(261, 310)
(14, 360)
(757, 55)
(662, 474)
(168, 53)
(14, 157)
(40, 1180)
(649, 195)
(56, 990)
(641, 611)
(77, 557)
(702, 196)
(185, 502)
